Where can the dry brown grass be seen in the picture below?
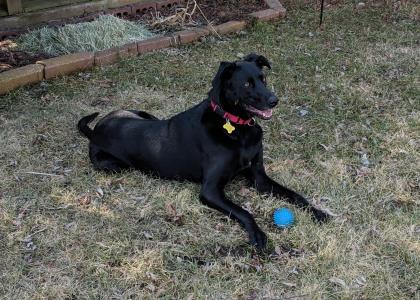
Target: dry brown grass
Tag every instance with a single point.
(85, 234)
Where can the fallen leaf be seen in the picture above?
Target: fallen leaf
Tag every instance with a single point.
(190, 297)
(99, 192)
(18, 220)
(361, 280)
(289, 284)
(148, 235)
(151, 287)
(244, 192)
(31, 246)
(84, 199)
(365, 161)
(173, 215)
(338, 281)
(69, 225)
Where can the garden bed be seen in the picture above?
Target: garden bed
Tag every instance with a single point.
(175, 22)
(10, 59)
(169, 19)
(166, 20)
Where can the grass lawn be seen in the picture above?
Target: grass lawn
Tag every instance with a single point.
(346, 134)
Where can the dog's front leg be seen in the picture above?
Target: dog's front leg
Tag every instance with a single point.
(264, 184)
(212, 194)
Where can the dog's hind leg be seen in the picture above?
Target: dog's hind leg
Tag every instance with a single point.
(105, 161)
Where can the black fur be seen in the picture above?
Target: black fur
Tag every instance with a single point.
(194, 146)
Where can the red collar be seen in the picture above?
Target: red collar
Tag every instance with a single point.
(228, 116)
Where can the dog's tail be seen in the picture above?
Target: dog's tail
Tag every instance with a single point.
(83, 125)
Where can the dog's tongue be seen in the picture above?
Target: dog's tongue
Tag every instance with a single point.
(267, 113)
(263, 114)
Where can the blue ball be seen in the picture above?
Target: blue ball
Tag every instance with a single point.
(283, 217)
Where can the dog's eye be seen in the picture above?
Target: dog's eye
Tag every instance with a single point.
(247, 84)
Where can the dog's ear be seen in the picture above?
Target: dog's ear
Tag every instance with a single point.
(259, 60)
(225, 71)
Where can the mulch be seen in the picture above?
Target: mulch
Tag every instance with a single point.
(10, 58)
(208, 11)
(166, 20)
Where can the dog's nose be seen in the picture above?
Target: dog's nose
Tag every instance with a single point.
(272, 101)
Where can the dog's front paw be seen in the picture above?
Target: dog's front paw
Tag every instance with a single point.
(319, 215)
(258, 238)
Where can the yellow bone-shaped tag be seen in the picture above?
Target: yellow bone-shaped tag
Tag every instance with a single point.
(228, 127)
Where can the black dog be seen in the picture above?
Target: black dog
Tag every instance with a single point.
(210, 143)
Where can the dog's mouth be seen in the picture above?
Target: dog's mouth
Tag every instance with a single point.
(262, 114)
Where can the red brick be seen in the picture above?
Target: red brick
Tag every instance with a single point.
(121, 11)
(67, 64)
(9, 80)
(128, 50)
(142, 8)
(267, 14)
(153, 44)
(229, 27)
(189, 36)
(167, 3)
(106, 57)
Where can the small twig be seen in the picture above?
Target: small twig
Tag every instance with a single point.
(183, 17)
(208, 22)
(44, 174)
(28, 238)
(58, 208)
(38, 231)
(297, 296)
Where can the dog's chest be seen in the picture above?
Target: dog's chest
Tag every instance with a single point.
(246, 155)
(248, 150)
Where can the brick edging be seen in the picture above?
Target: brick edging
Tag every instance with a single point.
(67, 64)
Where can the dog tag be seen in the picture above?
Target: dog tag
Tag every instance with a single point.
(228, 127)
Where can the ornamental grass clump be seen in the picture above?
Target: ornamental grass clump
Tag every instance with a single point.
(105, 32)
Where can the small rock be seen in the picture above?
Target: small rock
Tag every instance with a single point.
(365, 160)
(361, 280)
(303, 112)
(70, 225)
(360, 5)
(30, 246)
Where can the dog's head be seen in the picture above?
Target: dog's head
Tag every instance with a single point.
(240, 88)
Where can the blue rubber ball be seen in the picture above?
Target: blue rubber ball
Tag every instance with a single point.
(283, 217)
